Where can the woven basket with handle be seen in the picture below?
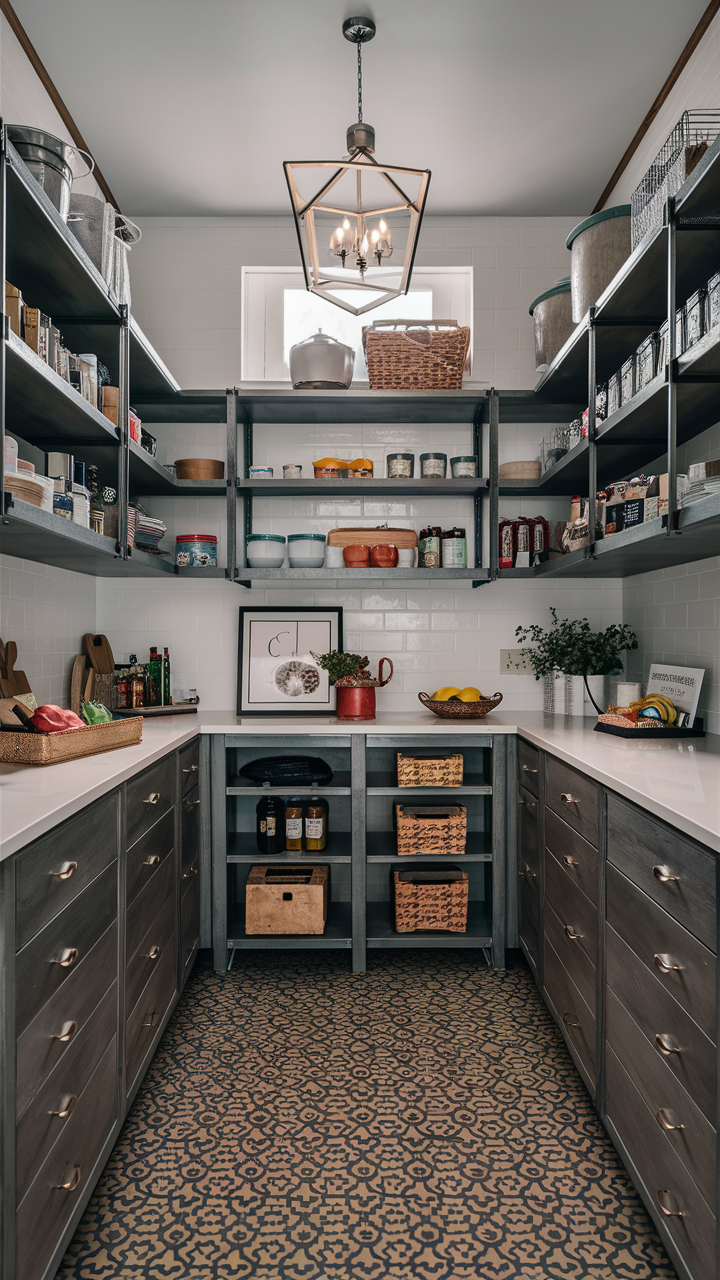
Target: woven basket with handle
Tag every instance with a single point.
(417, 355)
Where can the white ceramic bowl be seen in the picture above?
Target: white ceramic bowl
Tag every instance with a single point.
(265, 550)
(306, 550)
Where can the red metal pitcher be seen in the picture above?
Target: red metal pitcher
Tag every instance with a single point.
(356, 696)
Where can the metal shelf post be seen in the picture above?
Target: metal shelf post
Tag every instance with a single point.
(123, 430)
(671, 222)
(592, 431)
(231, 476)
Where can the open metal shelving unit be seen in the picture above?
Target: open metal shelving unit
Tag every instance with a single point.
(681, 402)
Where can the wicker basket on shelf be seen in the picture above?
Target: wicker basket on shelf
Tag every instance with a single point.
(435, 898)
(69, 744)
(429, 771)
(417, 355)
(452, 710)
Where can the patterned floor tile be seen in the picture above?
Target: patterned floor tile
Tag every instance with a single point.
(419, 1122)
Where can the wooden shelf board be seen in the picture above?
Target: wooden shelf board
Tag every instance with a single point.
(42, 405)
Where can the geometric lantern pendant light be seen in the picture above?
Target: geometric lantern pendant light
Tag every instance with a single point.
(357, 220)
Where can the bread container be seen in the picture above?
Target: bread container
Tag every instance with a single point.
(306, 550)
(321, 362)
(265, 550)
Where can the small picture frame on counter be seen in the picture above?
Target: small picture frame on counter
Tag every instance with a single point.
(277, 674)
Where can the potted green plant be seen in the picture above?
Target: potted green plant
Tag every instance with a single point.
(576, 650)
(355, 687)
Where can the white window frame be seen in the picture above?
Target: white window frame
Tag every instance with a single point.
(262, 329)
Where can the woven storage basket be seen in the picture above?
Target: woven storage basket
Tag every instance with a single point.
(413, 357)
(430, 829)
(199, 469)
(436, 898)
(461, 710)
(429, 771)
(70, 744)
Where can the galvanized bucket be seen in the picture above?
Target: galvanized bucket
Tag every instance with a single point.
(50, 161)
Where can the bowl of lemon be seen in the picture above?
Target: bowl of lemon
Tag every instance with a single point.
(451, 703)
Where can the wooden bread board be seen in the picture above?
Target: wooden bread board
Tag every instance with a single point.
(100, 655)
(372, 538)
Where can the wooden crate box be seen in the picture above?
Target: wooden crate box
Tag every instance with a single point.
(286, 899)
(432, 898)
(431, 829)
(429, 771)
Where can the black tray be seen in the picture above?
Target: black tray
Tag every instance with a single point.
(665, 733)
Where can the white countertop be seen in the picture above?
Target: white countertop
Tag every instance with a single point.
(678, 782)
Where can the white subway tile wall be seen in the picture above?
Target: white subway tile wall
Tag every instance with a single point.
(46, 611)
(676, 614)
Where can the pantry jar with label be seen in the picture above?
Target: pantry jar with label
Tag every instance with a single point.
(270, 813)
(454, 549)
(316, 816)
(294, 825)
(433, 466)
(429, 547)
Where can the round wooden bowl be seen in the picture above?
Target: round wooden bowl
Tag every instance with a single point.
(461, 710)
(199, 469)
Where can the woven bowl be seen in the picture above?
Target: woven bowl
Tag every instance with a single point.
(461, 710)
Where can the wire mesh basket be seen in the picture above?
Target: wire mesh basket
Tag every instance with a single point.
(687, 144)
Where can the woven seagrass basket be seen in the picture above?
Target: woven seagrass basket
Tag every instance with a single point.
(69, 744)
(461, 710)
(417, 355)
(429, 771)
(436, 830)
(431, 900)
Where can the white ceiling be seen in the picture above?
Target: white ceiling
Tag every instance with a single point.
(517, 106)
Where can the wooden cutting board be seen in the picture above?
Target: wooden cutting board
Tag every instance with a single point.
(99, 653)
(77, 681)
(13, 682)
(372, 538)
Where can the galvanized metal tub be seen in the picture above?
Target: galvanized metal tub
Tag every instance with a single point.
(50, 161)
(599, 246)
(552, 314)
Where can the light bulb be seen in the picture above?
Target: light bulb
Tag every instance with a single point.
(346, 225)
(383, 225)
(375, 237)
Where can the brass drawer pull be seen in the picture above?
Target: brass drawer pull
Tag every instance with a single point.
(567, 798)
(68, 958)
(190, 875)
(666, 965)
(570, 862)
(572, 934)
(67, 1033)
(665, 875)
(67, 870)
(67, 1105)
(526, 769)
(567, 1019)
(668, 1120)
(152, 954)
(669, 1213)
(530, 874)
(152, 1019)
(665, 1044)
(152, 861)
(153, 798)
(521, 800)
(72, 1183)
(193, 769)
(190, 803)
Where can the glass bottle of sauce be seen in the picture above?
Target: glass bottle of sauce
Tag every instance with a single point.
(294, 826)
(316, 815)
(270, 814)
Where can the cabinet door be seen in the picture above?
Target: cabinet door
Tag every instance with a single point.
(528, 874)
(189, 879)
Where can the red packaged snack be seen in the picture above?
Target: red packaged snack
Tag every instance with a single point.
(507, 544)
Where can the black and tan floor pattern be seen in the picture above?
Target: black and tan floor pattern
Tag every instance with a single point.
(420, 1122)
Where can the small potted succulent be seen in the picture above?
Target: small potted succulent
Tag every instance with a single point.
(355, 687)
(576, 650)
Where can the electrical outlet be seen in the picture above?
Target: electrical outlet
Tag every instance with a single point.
(512, 660)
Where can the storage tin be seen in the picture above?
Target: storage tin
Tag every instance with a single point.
(464, 466)
(433, 466)
(713, 301)
(400, 466)
(306, 550)
(196, 550)
(627, 377)
(552, 316)
(260, 473)
(695, 317)
(645, 362)
(599, 246)
(265, 550)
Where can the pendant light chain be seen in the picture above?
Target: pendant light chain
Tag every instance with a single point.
(359, 49)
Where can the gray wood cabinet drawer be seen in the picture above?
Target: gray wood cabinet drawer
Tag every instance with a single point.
(529, 828)
(146, 906)
(528, 766)
(692, 1137)
(529, 919)
(56, 869)
(578, 964)
(577, 914)
(50, 1035)
(667, 1183)
(148, 797)
(144, 1022)
(683, 965)
(675, 873)
(574, 1016)
(189, 921)
(46, 1118)
(189, 767)
(190, 829)
(148, 854)
(46, 1209)
(576, 857)
(574, 796)
(45, 963)
(671, 1032)
(150, 932)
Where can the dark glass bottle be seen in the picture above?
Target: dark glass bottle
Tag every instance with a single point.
(271, 824)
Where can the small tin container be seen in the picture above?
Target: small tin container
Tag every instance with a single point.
(614, 393)
(400, 466)
(627, 374)
(292, 471)
(433, 466)
(196, 551)
(645, 362)
(454, 549)
(260, 473)
(464, 467)
(713, 301)
(695, 317)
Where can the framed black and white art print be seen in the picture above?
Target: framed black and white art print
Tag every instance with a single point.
(277, 674)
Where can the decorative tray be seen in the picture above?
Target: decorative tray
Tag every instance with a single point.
(663, 732)
(70, 744)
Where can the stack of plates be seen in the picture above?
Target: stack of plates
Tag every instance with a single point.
(148, 532)
(702, 488)
(24, 487)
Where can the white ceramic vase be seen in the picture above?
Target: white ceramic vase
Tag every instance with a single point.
(596, 684)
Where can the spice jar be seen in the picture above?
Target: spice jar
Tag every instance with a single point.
(294, 825)
(433, 466)
(400, 466)
(269, 820)
(292, 471)
(316, 816)
(429, 547)
(464, 467)
(454, 549)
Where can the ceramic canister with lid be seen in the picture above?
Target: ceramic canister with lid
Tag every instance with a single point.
(265, 550)
(464, 466)
(306, 550)
(400, 466)
(433, 466)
